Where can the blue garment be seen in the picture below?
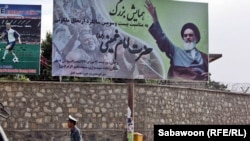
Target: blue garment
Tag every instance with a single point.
(75, 134)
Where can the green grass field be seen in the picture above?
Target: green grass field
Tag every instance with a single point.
(28, 56)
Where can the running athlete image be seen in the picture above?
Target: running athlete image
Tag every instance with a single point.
(11, 35)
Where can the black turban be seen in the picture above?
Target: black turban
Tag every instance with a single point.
(194, 28)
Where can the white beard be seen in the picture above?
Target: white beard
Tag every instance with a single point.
(189, 45)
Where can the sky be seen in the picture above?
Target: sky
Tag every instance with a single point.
(229, 32)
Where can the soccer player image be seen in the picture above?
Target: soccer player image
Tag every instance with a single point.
(11, 35)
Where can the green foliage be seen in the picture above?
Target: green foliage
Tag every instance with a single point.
(46, 46)
(17, 77)
(45, 71)
(215, 85)
(22, 78)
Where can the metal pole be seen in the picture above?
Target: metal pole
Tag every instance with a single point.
(130, 111)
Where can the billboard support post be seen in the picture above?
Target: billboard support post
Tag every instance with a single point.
(130, 110)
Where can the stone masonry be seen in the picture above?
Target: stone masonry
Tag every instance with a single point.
(39, 110)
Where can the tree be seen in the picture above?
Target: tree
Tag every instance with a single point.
(215, 85)
(45, 68)
(46, 46)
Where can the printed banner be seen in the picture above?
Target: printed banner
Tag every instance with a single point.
(130, 39)
(20, 27)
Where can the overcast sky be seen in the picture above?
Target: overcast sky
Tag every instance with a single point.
(229, 35)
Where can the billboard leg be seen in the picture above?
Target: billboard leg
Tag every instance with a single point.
(130, 111)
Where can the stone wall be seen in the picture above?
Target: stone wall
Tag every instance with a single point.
(39, 110)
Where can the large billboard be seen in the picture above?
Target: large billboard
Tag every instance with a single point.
(20, 29)
(130, 39)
